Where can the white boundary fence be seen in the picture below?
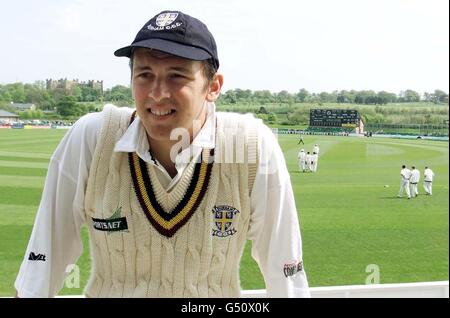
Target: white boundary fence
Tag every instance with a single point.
(408, 290)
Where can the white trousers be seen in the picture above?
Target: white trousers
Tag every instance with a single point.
(404, 185)
(427, 185)
(302, 165)
(414, 191)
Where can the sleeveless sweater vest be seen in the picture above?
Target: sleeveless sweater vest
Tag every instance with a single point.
(188, 242)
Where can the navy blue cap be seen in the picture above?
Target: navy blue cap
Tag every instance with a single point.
(178, 34)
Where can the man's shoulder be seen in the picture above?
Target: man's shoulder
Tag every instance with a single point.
(246, 121)
(236, 116)
(116, 109)
(90, 123)
(93, 121)
(121, 108)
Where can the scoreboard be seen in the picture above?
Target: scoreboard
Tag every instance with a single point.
(347, 118)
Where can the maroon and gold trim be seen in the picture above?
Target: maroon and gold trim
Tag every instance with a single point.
(168, 224)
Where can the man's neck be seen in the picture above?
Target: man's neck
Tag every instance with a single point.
(160, 149)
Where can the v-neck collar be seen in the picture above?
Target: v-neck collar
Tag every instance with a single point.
(168, 224)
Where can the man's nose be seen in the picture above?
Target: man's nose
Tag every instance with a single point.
(159, 90)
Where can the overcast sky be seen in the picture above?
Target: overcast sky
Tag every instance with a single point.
(320, 45)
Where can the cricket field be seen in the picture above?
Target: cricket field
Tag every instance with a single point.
(352, 222)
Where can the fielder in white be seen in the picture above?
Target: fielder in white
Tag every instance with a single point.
(314, 159)
(428, 176)
(302, 160)
(316, 149)
(413, 181)
(404, 183)
(308, 161)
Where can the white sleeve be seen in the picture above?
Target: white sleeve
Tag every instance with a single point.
(274, 225)
(55, 241)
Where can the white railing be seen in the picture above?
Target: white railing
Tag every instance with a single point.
(408, 290)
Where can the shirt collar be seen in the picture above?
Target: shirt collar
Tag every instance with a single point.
(135, 138)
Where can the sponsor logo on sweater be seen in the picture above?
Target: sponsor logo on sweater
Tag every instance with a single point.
(115, 223)
(292, 268)
(223, 220)
(36, 257)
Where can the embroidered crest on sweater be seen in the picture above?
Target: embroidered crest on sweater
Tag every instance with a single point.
(223, 220)
(168, 224)
(115, 223)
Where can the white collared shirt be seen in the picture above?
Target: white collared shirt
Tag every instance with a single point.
(274, 226)
(428, 175)
(135, 140)
(406, 174)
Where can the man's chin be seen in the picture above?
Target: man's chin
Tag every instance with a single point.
(159, 136)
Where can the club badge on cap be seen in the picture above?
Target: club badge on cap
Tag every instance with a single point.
(176, 33)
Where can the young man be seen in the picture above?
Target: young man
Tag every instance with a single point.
(428, 176)
(414, 180)
(170, 193)
(405, 173)
(301, 141)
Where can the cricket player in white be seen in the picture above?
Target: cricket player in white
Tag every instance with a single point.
(413, 181)
(404, 183)
(308, 161)
(316, 149)
(314, 159)
(302, 160)
(109, 164)
(428, 176)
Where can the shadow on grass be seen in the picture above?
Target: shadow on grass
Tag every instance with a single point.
(392, 198)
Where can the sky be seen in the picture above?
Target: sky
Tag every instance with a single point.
(320, 45)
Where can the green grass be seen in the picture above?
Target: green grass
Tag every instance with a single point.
(348, 219)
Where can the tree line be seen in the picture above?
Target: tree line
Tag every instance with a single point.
(77, 101)
(367, 97)
(80, 100)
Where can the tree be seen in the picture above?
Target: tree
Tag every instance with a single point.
(301, 96)
(262, 110)
(427, 97)
(229, 97)
(263, 97)
(328, 98)
(17, 92)
(76, 92)
(284, 97)
(90, 94)
(4, 94)
(385, 97)
(272, 118)
(346, 97)
(439, 96)
(67, 106)
(119, 93)
(410, 96)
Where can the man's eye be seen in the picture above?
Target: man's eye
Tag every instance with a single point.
(144, 75)
(175, 76)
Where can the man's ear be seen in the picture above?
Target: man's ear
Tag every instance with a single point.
(214, 88)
